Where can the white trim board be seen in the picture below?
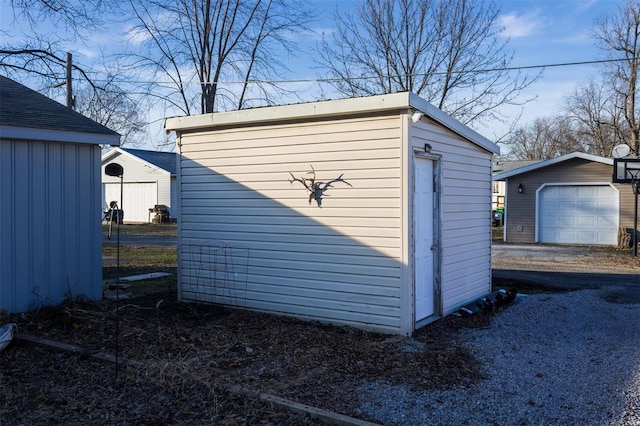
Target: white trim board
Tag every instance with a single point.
(340, 107)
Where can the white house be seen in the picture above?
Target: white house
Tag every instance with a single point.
(395, 233)
(50, 243)
(149, 179)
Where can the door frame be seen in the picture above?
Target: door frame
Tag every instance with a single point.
(420, 154)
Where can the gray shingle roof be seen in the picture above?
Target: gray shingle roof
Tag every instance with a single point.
(26, 108)
(163, 160)
(501, 166)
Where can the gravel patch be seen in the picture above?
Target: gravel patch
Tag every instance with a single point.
(568, 359)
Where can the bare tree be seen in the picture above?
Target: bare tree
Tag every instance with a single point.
(543, 139)
(618, 36)
(41, 59)
(77, 16)
(45, 63)
(113, 107)
(39, 54)
(215, 54)
(448, 52)
(599, 124)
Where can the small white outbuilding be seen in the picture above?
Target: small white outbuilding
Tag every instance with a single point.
(149, 179)
(372, 212)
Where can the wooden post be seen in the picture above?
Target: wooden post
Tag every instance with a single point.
(68, 82)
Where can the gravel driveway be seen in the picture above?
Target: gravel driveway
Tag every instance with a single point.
(549, 359)
(554, 358)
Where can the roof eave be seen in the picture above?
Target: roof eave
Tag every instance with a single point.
(452, 124)
(364, 105)
(26, 133)
(321, 109)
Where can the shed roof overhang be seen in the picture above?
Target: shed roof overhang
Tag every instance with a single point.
(403, 101)
(27, 133)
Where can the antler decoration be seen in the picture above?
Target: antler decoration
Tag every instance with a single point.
(316, 189)
(310, 184)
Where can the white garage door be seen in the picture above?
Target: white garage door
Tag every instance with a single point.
(578, 214)
(138, 198)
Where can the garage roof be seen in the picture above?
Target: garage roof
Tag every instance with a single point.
(546, 163)
(501, 166)
(162, 160)
(27, 114)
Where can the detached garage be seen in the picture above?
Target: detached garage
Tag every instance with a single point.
(149, 179)
(370, 212)
(566, 200)
(580, 213)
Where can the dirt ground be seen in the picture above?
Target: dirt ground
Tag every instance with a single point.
(203, 364)
(536, 257)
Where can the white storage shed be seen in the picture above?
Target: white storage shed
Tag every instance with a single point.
(371, 212)
(51, 242)
(149, 179)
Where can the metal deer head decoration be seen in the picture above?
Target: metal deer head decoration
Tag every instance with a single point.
(316, 189)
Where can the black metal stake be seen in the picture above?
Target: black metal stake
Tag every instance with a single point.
(115, 169)
(636, 187)
(118, 274)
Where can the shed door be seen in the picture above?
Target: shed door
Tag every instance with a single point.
(423, 238)
(137, 199)
(578, 214)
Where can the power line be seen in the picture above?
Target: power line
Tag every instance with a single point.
(334, 80)
(562, 64)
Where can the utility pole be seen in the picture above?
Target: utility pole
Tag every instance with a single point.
(68, 82)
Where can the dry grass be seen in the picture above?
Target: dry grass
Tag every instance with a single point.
(497, 233)
(586, 259)
(162, 229)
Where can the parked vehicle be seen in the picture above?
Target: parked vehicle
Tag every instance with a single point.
(497, 218)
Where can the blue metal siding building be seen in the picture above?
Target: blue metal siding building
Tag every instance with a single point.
(50, 238)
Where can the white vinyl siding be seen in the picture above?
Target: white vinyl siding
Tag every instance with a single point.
(138, 176)
(248, 237)
(50, 245)
(466, 202)
(340, 262)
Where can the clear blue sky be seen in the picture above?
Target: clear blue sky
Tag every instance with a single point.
(540, 31)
